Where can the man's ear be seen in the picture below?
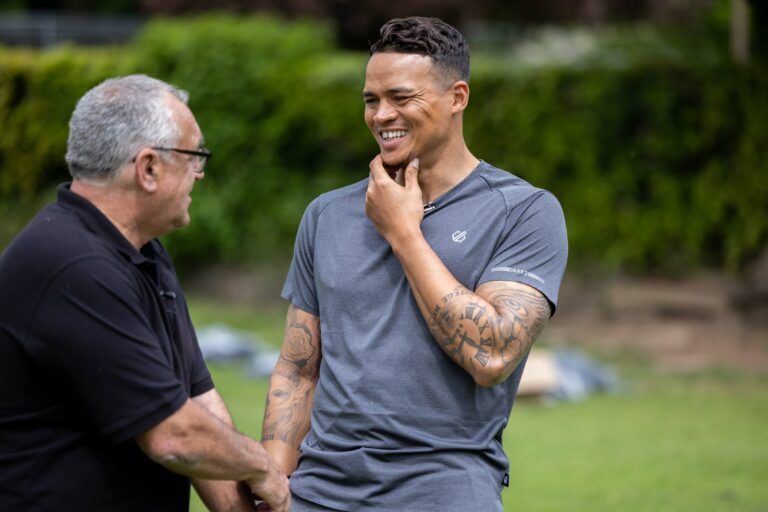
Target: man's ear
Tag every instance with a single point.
(460, 91)
(146, 165)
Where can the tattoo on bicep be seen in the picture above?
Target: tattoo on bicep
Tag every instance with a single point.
(522, 316)
(529, 308)
(300, 346)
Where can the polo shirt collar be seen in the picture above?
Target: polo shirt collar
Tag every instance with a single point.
(97, 222)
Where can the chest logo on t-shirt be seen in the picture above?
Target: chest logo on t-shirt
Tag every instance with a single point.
(459, 236)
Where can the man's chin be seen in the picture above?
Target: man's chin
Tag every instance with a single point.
(392, 169)
(394, 164)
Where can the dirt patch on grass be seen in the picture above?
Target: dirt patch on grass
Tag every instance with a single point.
(687, 324)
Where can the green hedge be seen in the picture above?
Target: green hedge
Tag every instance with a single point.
(659, 165)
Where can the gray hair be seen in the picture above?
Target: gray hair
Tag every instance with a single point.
(115, 120)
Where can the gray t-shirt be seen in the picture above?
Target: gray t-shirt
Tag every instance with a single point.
(396, 425)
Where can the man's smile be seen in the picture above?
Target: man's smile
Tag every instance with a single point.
(393, 134)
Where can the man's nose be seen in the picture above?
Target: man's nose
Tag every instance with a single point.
(384, 113)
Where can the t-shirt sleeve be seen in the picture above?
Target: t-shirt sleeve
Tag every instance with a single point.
(90, 333)
(533, 248)
(299, 288)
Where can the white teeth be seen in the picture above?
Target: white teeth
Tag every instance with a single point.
(393, 134)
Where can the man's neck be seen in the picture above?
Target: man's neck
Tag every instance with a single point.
(116, 205)
(439, 176)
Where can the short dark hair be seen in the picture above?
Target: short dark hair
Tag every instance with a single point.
(431, 37)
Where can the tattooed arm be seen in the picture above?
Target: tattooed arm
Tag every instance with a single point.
(292, 388)
(487, 332)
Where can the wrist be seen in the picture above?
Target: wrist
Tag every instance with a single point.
(406, 240)
(285, 456)
(258, 477)
(261, 464)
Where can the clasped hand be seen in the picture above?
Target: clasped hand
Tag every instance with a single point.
(393, 201)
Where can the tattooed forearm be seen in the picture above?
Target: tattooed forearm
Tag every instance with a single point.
(455, 293)
(293, 381)
(451, 332)
(288, 419)
(497, 325)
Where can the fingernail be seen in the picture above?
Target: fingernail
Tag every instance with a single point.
(415, 162)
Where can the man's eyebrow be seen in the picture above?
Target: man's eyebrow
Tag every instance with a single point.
(393, 90)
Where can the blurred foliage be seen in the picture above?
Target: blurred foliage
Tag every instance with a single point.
(657, 166)
(250, 89)
(658, 156)
(38, 91)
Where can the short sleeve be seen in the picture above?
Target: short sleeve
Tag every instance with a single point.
(202, 382)
(91, 333)
(533, 249)
(299, 288)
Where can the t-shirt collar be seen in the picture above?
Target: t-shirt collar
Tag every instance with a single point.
(457, 189)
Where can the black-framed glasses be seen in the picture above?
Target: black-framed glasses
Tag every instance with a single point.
(201, 156)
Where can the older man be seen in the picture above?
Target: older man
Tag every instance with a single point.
(105, 400)
(415, 296)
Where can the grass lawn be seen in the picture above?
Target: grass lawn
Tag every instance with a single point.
(670, 442)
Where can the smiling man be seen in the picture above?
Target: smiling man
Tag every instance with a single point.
(105, 400)
(415, 296)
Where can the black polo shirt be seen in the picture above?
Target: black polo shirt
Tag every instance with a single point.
(96, 346)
